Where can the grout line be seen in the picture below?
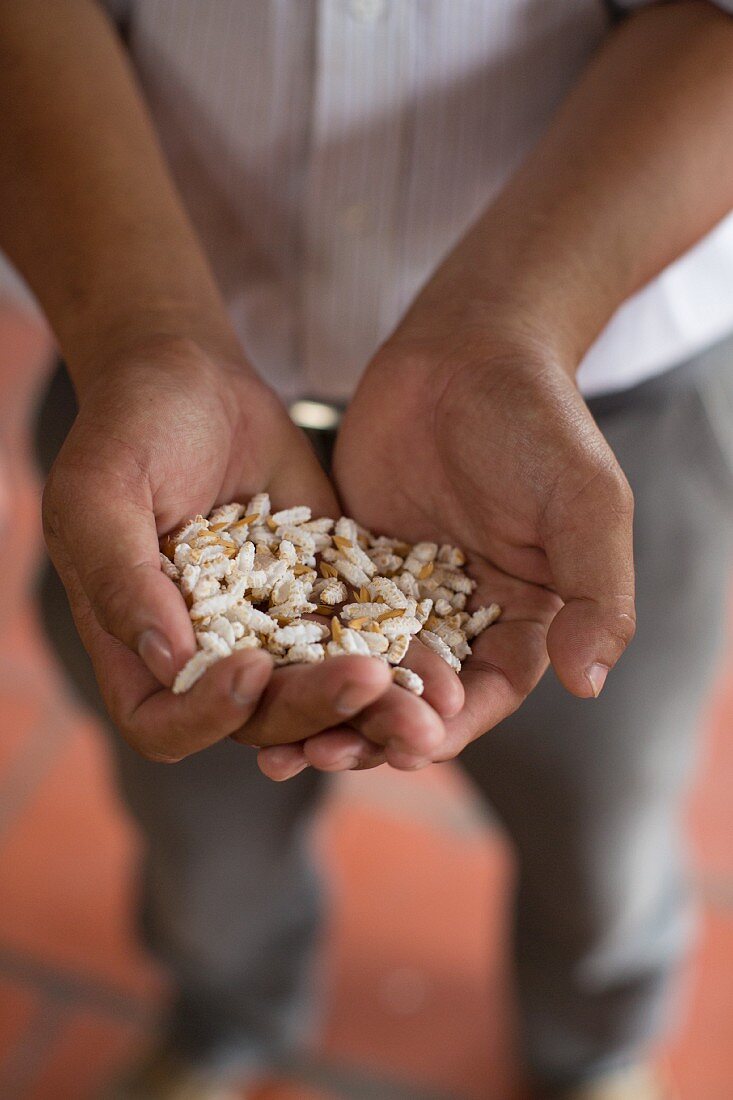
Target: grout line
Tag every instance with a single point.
(73, 990)
(31, 1052)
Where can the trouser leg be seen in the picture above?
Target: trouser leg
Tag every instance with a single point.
(591, 792)
(229, 893)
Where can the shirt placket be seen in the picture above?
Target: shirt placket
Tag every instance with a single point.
(363, 72)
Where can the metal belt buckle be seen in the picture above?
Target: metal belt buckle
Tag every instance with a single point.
(315, 416)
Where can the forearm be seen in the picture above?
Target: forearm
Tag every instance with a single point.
(636, 166)
(87, 210)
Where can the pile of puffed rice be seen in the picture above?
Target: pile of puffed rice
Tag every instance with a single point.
(250, 578)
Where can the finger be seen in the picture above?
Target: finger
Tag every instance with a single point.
(281, 762)
(101, 523)
(588, 543)
(443, 688)
(405, 725)
(342, 749)
(158, 724)
(305, 699)
(508, 661)
(334, 750)
(169, 727)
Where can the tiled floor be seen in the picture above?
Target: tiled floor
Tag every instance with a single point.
(419, 1002)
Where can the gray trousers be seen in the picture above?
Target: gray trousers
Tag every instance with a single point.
(589, 792)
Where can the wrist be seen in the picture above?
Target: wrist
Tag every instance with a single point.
(157, 338)
(523, 276)
(460, 328)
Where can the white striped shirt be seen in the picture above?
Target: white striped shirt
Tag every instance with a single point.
(330, 152)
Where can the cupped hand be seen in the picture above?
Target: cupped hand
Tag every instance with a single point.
(488, 445)
(163, 433)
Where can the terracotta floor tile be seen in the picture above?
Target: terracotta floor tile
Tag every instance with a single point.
(17, 1006)
(289, 1091)
(65, 871)
(22, 713)
(25, 360)
(711, 811)
(418, 979)
(439, 796)
(88, 1052)
(25, 651)
(700, 1058)
(21, 539)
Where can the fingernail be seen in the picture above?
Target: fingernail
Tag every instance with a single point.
(346, 763)
(247, 685)
(350, 699)
(293, 772)
(596, 676)
(155, 650)
(405, 761)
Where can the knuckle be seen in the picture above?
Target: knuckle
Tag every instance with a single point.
(620, 491)
(624, 627)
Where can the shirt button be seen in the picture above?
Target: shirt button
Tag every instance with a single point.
(367, 11)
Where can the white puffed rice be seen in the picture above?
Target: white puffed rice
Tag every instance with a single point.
(406, 678)
(292, 516)
(398, 648)
(300, 633)
(406, 624)
(451, 555)
(193, 670)
(332, 592)
(354, 574)
(250, 575)
(259, 506)
(213, 643)
(385, 589)
(367, 610)
(432, 641)
(308, 654)
(169, 568)
(482, 618)
(226, 514)
(375, 642)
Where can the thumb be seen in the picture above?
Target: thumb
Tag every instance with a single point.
(101, 526)
(589, 546)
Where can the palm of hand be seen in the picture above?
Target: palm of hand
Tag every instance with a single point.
(502, 464)
(165, 436)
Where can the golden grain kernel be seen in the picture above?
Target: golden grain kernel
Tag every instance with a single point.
(395, 613)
